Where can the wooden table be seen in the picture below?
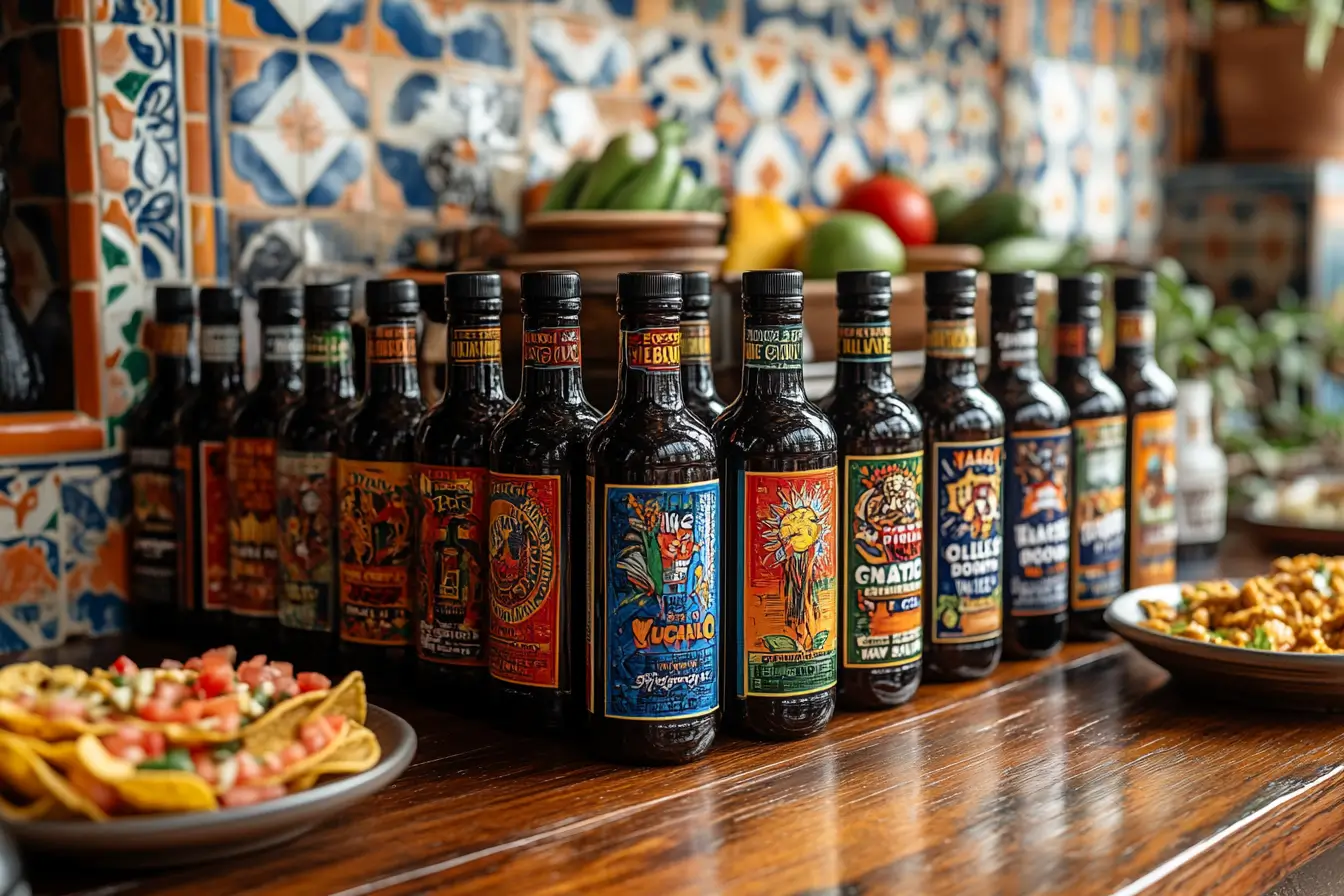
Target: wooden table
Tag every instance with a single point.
(1081, 774)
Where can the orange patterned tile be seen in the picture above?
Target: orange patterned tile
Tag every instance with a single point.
(114, 170)
(113, 51)
(194, 12)
(83, 241)
(116, 216)
(76, 74)
(1103, 34)
(235, 19)
(72, 10)
(203, 241)
(85, 323)
(79, 154)
(199, 181)
(49, 432)
(120, 117)
(195, 74)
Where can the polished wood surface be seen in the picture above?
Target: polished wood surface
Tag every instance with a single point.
(1079, 774)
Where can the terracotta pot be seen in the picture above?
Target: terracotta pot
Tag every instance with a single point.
(589, 231)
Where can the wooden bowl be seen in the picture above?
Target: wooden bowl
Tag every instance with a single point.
(919, 259)
(599, 268)
(593, 231)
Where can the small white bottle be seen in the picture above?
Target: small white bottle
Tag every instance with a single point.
(1201, 478)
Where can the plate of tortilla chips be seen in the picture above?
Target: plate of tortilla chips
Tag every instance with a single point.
(185, 761)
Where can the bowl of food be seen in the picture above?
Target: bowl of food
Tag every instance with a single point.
(1306, 513)
(1274, 640)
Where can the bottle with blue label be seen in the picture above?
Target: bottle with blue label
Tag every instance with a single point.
(963, 490)
(653, 619)
(1036, 475)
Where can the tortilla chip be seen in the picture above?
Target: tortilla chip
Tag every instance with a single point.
(19, 759)
(145, 790)
(22, 721)
(358, 752)
(38, 808)
(280, 725)
(348, 698)
(18, 677)
(305, 765)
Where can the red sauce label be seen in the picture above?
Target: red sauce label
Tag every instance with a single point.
(186, 512)
(1135, 329)
(451, 578)
(1152, 518)
(473, 345)
(1077, 340)
(552, 347)
(254, 560)
(655, 350)
(213, 500)
(375, 504)
(526, 572)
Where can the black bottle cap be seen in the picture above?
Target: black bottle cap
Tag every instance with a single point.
(1134, 292)
(221, 305)
(654, 291)
(551, 292)
(174, 304)
(1080, 298)
(391, 299)
(863, 290)
(280, 305)
(1010, 291)
(955, 289)
(695, 283)
(328, 301)
(779, 290)
(473, 292)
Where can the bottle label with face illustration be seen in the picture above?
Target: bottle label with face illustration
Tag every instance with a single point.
(1152, 518)
(527, 567)
(375, 512)
(966, 538)
(1036, 523)
(451, 574)
(305, 503)
(1098, 526)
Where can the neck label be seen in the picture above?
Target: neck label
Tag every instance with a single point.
(865, 343)
(284, 344)
(392, 343)
(773, 347)
(169, 339)
(951, 339)
(1078, 340)
(220, 343)
(695, 341)
(474, 345)
(1016, 347)
(552, 347)
(1135, 329)
(329, 346)
(653, 350)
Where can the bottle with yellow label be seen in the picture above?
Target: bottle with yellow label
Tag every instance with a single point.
(1150, 454)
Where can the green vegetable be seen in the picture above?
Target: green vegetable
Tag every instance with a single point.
(683, 191)
(850, 241)
(650, 187)
(1036, 253)
(619, 161)
(118, 681)
(1260, 639)
(1222, 634)
(707, 199)
(176, 760)
(992, 217)
(565, 190)
(1178, 627)
(947, 203)
(224, 751)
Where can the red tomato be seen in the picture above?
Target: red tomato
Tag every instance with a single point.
(247, 796)
(171, 664)
(154, 743)
(249, 769)
(156, 710)
(67, 708)
(316, 734)
(283, 669)
(125, 744)
(899, 203)
(228, 653)
(190, 710)
(216, 678)
(292, 753)
(313, 681)
(123, 666)
(272, 765)
(206, 767)
(171, 692)
(102, 794)
(194, 664)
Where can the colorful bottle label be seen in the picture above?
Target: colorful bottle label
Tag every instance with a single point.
(212, 499)
(695, 344)
(659, 587)
(950, 338)
(967, 541)
(169, 339)
(1098, 512)
(328, 346)
(1135, 329)
(283, 344)
(254, 550)
(865, 343)
(1077, 340)
(154, 531)
(392, 343)
(653, 350)
(375, 506)
(1152, 522)
(451, 576)
(884, 560)
(591, 599)
(221, 343)
(1016, 347)
(527, 569)
(305, 500)
(1036, 523)
(773, 347)
(552, 347)
(473, 345)
(184, 485)
(787, 586)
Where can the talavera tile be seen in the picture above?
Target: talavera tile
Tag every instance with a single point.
(338, 22)
(33, 611)
(680, 76)
(95, 503)
(583, 53)
(464, 32)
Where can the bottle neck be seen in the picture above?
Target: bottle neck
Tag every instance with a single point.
(772, 354)
(172, 359)
(1014, 348)
(221, 357)
(949, 349)
(1134, 335)
(1077, 346)
(474, 356)
(864, 359)
(649, 372)
(697, 370)
(328, 370)
(282, 358)
(391, 356)
(552, 359)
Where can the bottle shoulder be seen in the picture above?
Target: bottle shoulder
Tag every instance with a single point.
(1092, 396)
(774, 427)
(457, 432)
(868, 422)
(637, 446)
(1146, 387)
(1029, 403)
(259, 414)
(542, 434)
(954, 412)
(207, 415)
(382, 428)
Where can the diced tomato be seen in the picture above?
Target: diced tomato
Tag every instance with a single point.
(156, 710)
(247, 796)
(154, 744)
(216, 678)
(125, 744)
(190, 711)
(171, 664)
(319, 732)
(171, 692)
(313, 681)
(228, 653)
(249, 769)
(103, 795)
(292, 753)
(206, 767)
(123, 666)
(283, 669)
(194, 664)
(271, 765)
(60, 707)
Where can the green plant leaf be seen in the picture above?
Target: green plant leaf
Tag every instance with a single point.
(781, 644)
(819, 639)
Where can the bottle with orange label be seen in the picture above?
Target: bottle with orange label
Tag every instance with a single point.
(537, 519)
(963, 490)
(156, 528)
(203, 468)
(1150, 403)
(777, 464)
(452, 461)
(254, 560)
(1097, 527)
(376, 496)
(697, 367)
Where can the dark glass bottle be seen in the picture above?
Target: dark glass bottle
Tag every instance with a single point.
(254, 559)
(1036, 476)
(538, 458)
(697, 356)
(881, 540)
(1150, 453)
(777, 455)
(203, 466)
(963, 484)
(157, 529)
(22, 381)
(452, 465)
(305, 480)
(653, 563)
(1096, 557)
(377, 497)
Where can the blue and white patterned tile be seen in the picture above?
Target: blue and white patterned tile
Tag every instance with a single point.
(1056, 194)
(1144, 200)
(267, 250)
(843, 161)
(584, 54)
(1103, 209)
(767, 77)
(569, 126)
(844, 83)
(33, 611)
(1105, 112)
(338, 22)
(95, 503)
(136, 12)
(770, 163)
(792, 21)
(680, 76)
(430, 29)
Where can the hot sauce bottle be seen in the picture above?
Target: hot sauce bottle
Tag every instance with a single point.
(1097, 543)
(376, 495)
(963, 488)
(305, 479)
(777, 461)
(254, 559)
(1036, 478)
(203, 465)
(653, 541)
(1150, 404)
(881, 541)
(451, 473)
(697, 368)
(156, 526)
(538, 518)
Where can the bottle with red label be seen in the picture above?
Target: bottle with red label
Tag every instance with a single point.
(156, 529)
(777, 463)
(451, 473)
(697, 367)
(1036, 475)
(963, 488)
(1151, 531)
(307, 513)
(376, 496)
(1097, 477)
(203, 467)
(881, 539)
(537, 518)
(254, 559)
